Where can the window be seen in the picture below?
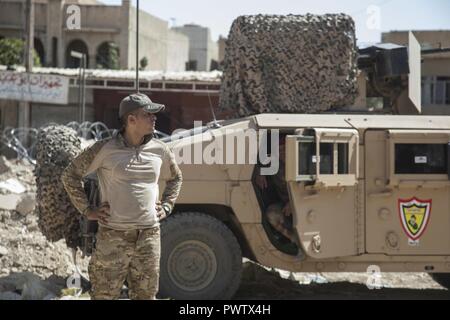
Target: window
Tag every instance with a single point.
(421, 158)
(308, 159)
(191, 65)
(343, 158)
(335, 150)
(436, 90)
(326, 158)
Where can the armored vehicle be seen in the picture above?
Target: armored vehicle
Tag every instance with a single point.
(365, 190)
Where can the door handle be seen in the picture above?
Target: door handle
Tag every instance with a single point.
(386, 193)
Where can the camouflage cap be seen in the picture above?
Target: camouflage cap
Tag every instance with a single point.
(138, 100)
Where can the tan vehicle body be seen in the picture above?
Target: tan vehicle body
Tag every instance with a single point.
(344, 222)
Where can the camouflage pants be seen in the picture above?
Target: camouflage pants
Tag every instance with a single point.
(131, 255)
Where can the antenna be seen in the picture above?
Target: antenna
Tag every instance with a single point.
(215, 123)
(137, 46)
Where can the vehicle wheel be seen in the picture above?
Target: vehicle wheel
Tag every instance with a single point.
(442, 278)
(200, 258)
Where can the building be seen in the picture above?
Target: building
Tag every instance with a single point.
(188, 96)
(203, 51)
(435, 68)
(104, 30)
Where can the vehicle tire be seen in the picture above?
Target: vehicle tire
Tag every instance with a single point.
(442, 278)
(200, 258)
(56, 146)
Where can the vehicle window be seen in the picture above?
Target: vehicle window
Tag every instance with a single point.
(326, 158)
(421, 158)
(343, 158)
(307, 158)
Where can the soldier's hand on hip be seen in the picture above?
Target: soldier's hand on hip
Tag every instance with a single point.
(160, 213)
(101, 213)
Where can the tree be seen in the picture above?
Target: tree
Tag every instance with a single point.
(108, 56)
(12, 53)
(143, 63)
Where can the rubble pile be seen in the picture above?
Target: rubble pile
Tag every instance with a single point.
(289, 64)
(57, 145)
(31, 267)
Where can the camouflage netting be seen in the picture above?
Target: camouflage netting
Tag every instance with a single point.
(289, 64)
(58, 219)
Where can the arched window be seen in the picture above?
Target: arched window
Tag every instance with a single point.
(108, 56)
(79, 46)
(39, 47)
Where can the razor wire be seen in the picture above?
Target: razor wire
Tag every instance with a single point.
(23, 140)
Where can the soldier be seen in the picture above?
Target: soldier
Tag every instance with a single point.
(279, 214)
(128, 167)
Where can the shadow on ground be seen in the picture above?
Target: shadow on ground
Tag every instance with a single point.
(259, 283)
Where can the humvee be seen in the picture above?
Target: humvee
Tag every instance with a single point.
(367, 191)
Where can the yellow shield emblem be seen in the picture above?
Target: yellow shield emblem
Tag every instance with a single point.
(414, 216)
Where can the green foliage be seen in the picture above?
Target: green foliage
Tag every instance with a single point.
(143, 63)
(12, 53)
(108, 56)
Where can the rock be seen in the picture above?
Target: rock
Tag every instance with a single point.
(5, 215)
(26, 204)
(12, 185)
(3, 251)
(33, 227)
(35, 290)
(9, 295)
(28, 284)
(9, 201)
(5, 165)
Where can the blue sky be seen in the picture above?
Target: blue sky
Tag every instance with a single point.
(371, 16)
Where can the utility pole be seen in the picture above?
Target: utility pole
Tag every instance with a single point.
(29, 34)
(137, 46)
(81, 84)
(25, 106)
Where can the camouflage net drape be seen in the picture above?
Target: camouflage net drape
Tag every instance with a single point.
(57, 145)
(289, 64)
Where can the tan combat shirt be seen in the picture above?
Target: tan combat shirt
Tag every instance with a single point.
(128, 180)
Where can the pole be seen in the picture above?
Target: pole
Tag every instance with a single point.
(25, 106)
(80, 92)
(81, 57)
(29, 35)
(83, 85)
(137, 45)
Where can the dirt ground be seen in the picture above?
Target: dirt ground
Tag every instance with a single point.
(262, 283)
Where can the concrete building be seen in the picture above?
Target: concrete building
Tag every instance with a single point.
(203, 51)
(102, 27)
(188, 97)
(435, 68)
